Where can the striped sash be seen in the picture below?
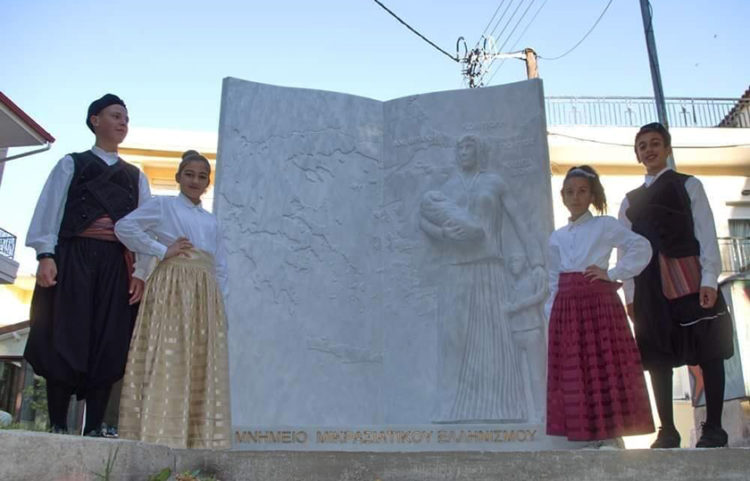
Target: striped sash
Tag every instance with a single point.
(103, 228)
(680, 276)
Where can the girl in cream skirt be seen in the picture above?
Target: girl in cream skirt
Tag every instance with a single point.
(176, 386)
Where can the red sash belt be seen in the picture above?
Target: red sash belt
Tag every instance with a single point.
(103, 228)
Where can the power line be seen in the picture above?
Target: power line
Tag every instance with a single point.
(490, 22)
(584, 37)
(455, 59)
(475, 58)
(494, 29)
(523, 15)
(475, 70)
(492, 56)
(519, 39)
(630, 146)
(510, 19)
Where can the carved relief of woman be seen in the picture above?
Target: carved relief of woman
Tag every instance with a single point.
(466, 218)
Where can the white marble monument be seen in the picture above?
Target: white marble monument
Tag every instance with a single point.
(386, 267)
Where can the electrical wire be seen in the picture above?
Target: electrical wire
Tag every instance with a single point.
(630, 146)
(523, 15)
(494, 29)
(510, 19)
(584, 37)
(518, 40)
(455, 59)
(490, 22)
(475, 59)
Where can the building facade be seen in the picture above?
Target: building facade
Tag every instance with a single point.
(17, 130)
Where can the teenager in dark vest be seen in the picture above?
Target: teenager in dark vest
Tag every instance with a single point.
(673, 328)
(85, 300)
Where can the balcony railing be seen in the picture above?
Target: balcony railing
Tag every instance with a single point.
(7, 244)
(637, 111)
(735, 254)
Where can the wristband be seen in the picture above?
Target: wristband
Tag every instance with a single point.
(45, 255)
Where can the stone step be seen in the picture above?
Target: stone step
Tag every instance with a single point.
(38, 456)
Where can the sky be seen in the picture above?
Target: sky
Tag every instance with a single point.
(167, 58)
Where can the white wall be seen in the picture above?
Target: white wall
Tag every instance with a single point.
(3, 154)
(720, 190)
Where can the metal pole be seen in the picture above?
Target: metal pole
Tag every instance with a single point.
(18, 156)
(653, 60)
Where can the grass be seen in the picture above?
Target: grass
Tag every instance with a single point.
(108, 465)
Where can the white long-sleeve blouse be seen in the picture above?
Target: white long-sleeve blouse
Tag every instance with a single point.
(589, 241)
(154, 226)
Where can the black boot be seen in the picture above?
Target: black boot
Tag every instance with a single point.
(56, 429)
(667, 438)
(96, 402)
(94, 433)
(712, 436)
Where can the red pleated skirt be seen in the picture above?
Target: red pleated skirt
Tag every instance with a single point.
(595, 384)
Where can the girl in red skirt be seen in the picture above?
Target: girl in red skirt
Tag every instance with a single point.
(595, 384)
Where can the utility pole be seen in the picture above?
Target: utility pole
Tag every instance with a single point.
(473, 60)
(476, 58)
(653, 60)
(532, 71)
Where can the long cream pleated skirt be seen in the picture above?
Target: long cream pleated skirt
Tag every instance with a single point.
(176, 386)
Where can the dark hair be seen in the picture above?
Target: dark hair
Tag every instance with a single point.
(654, 127)
(192, 156)
(597, 189)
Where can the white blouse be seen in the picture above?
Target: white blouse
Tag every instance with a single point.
(703, 228)
(48, 214)
(589, 241)
(155, 225)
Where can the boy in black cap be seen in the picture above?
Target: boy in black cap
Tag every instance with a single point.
(679, 315)
(86, 294)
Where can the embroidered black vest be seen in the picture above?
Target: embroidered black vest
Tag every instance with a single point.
(662, 213)
(98, 189)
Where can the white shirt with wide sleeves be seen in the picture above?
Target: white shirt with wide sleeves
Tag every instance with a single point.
(589, 241)
(155, 225)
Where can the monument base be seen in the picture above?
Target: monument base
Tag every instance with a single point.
(28, 456)
(735, 418)
(401, 438)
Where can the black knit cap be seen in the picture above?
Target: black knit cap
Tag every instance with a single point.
(100, 104)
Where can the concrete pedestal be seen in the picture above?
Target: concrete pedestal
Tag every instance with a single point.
(34, 456)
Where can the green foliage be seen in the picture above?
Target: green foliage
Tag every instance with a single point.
(195, 476)
(108, 465)
(163, 475)
(36, 394)
(25, 426)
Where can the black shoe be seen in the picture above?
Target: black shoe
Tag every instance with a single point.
(94, 433)
(667, 438)
(712, 437)
(58, 429)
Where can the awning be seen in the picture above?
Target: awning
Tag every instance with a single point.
(17, 129)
